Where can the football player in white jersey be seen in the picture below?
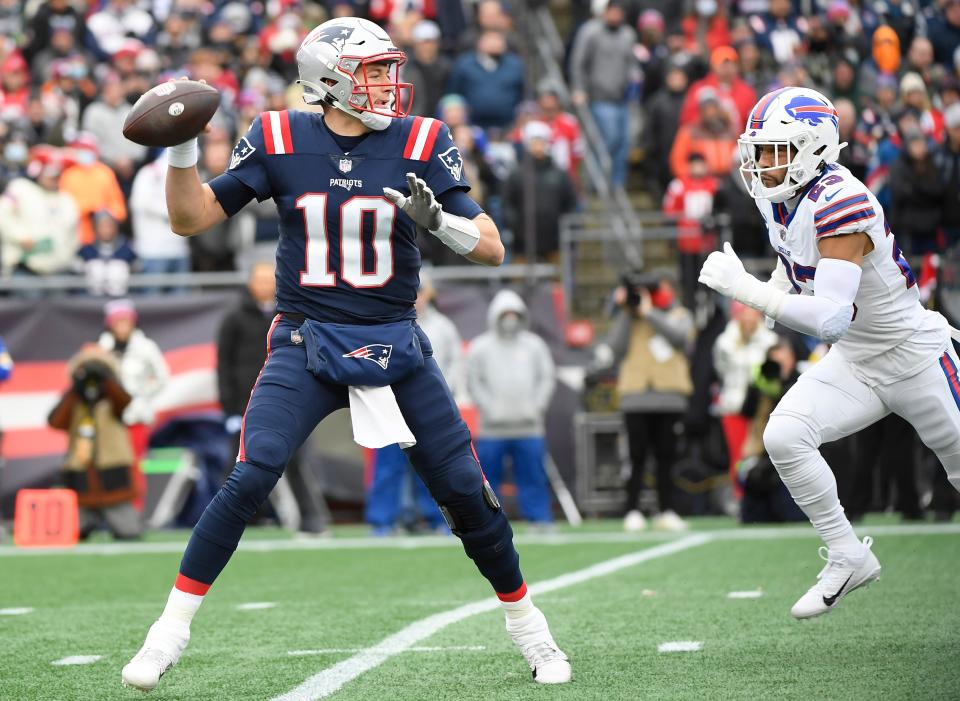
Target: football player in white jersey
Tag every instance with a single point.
(842, 278)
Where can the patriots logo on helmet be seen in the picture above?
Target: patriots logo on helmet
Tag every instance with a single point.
(452, 161)
(376, 352)
(810, 110)
(335, 35)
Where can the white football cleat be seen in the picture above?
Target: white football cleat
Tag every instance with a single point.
(634, 522)
(547, 662)
(842, 574)
(669, 521)
(161, 650)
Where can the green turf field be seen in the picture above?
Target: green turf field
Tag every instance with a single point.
(333, 600)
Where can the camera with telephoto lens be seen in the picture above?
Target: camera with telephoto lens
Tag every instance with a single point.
(635, 281)
(88, 379)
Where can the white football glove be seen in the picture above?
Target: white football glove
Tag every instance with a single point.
(421, 205)
(724, 272)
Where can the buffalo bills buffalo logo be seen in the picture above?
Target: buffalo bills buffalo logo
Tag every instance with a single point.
(810, 110)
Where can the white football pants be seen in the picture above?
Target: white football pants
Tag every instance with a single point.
(828, 403)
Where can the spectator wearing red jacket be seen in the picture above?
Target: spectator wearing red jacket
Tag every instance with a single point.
(735, 94)
(690, 199)
(566, 143)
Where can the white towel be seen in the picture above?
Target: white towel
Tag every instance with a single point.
(376, 418)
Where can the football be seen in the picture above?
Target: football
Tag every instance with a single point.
(171, 113)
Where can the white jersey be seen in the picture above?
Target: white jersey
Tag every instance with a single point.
(891, 335)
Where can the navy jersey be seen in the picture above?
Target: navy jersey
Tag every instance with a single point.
(346, 253)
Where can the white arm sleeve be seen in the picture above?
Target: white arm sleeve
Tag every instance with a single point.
(779, 280)
(829, 312)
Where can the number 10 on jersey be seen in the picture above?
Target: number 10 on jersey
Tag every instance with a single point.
(352, 269)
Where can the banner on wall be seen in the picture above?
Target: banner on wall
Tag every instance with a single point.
(42, 335)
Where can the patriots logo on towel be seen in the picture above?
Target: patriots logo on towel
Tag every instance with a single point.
(377, 352)
(810, 110)
(452, 161)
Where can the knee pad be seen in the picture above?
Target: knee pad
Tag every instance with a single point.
(247, 488)
(786, 437)
(268, 448)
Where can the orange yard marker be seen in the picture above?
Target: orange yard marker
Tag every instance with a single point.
(46, 518)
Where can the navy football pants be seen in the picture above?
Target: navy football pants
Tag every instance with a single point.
(286, 404)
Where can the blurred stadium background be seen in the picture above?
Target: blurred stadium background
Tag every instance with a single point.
(601, 137)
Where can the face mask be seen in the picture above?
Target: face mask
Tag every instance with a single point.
(662, 298)
(15, 152)
(86, 158)
(706, 8)
(509, 324)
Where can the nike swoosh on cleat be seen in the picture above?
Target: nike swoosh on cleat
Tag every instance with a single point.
(829, 600)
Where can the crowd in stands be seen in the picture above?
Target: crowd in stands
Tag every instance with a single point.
(70, 72)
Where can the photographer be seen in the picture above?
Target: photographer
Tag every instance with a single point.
(99, 460)
(765, 498)
(648, 339)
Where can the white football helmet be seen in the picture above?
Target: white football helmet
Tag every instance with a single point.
(333, 61)
(806, 123)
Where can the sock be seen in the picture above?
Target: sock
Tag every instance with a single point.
(184, 601)
(516, 604)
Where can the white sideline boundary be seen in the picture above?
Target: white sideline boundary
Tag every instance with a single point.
(332, 679)
(419, 542)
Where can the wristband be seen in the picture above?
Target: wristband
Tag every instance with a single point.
(184, 155)
(459, 234)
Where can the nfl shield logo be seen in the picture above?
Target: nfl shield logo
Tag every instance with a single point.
(783, 232)
(345, 165)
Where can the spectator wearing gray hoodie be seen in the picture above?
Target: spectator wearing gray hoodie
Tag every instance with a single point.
(511, 377)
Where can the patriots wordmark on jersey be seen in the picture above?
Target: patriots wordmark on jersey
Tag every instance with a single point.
(346, 254)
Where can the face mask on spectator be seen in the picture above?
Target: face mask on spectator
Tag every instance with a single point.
(662, 298)
(706, 8)
(15, 152)
(86, 158)
(509, 324)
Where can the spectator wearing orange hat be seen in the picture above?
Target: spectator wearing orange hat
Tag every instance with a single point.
(884, 59)
(734, 94)
(93, 186)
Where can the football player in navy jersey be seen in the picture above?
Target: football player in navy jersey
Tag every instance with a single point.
(354, 179)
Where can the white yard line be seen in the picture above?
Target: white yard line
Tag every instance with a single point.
(256, 606)
(16, 611)
(418, 648)
(76, 659)
(333, 678)
(680, 646)
(752, 594)
(418, 542)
